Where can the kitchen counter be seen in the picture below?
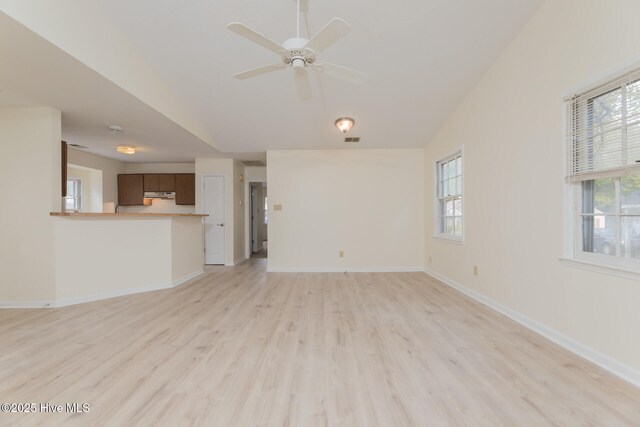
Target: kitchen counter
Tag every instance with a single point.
(103, 255)
(90, 214)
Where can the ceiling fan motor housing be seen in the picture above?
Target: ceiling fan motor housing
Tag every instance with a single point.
(296, 54)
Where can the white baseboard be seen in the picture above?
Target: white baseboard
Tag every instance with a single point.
(110, 294)
(99, 296)
(239, 260)
(344, 270)
(186, 278)
(617, 368)
(25, 304)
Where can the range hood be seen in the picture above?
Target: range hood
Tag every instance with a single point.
(165, 195)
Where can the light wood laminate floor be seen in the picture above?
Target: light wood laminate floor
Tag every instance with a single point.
(239, 347)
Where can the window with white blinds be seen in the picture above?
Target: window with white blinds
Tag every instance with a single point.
(604, 171)
(604, 130)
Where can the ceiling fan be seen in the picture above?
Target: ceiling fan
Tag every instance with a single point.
(300, 54)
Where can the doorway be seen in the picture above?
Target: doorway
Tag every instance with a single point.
(259, 220)
(214, 224)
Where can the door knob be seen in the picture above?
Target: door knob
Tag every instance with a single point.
(221, 225)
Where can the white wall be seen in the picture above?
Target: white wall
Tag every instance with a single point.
(255, 173)
(110, 169)
(187, 247)
(30, 173)
(512, 129)
(368, 203)
(234, 197)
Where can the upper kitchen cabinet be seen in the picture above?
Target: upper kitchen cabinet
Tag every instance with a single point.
(130, 190)
(159, 182)
(185, 189)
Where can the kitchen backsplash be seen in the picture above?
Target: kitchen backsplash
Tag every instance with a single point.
(159, 206)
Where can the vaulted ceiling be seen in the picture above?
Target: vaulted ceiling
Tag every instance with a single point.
(422, 57)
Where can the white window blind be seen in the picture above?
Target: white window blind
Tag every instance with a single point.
(604, 130)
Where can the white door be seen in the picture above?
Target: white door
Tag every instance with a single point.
(214, 225)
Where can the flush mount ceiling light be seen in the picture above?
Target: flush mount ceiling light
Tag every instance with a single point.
(125, 149)
(345, 124)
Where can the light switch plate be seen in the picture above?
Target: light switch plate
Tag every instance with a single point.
(277, 207)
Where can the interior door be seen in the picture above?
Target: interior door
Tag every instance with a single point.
(214, 226)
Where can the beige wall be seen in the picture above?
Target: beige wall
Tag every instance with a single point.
(512, 129)
(110, 169)
(187, 247)
(368, 203)
(30, 173)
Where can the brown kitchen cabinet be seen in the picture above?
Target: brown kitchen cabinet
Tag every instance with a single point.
(130, 190)
(185, 188)
(159, 182)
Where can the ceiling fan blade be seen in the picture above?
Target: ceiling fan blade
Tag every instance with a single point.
(258, 71)
(341, 72)
(328, 35)
(255, 37)
(303, 88)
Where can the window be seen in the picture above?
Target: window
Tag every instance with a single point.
(449, 197)
(266, 209)
(73, 199)
(604, 147)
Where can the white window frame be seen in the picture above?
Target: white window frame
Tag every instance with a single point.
(574, 255)
(265, 218)
(78, 196)
(438, 233)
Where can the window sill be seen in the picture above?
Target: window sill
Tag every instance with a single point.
(453, 240)
(610, 270)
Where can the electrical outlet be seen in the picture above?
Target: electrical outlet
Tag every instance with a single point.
(277, 207)
(475, 270)
(341, 254)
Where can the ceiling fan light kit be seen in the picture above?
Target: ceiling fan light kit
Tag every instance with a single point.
(299, 54)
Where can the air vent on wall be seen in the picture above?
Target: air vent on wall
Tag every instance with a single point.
(253, 163)
(82, 147)
(352, 139)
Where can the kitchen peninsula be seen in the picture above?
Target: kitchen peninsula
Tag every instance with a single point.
(103, 255)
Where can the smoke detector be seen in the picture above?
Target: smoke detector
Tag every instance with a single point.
(116, 130)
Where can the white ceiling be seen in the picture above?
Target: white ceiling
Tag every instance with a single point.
(422, 57)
